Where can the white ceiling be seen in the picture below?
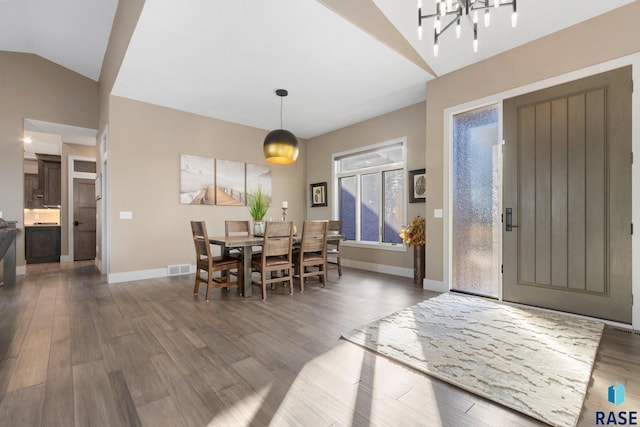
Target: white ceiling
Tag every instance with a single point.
(71, 33)
(225, 59)
(47, 138)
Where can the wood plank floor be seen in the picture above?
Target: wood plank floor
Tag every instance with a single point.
(75, 351)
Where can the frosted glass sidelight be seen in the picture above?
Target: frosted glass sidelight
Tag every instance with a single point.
(476, 202)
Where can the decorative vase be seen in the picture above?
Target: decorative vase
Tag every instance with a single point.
(258, 228)
(418, 264)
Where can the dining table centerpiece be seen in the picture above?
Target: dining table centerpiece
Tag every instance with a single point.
(413, 236)
(258, 207)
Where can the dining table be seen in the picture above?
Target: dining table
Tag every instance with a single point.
(246, 243)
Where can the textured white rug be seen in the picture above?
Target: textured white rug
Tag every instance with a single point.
(535, 362)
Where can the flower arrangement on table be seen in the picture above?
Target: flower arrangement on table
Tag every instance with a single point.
(413, 234)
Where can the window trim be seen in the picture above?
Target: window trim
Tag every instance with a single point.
(335, 198)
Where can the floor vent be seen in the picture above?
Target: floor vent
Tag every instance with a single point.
(627, 331)
(178, 269)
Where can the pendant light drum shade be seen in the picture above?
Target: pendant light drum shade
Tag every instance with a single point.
(280, 146)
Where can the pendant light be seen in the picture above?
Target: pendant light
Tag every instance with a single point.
(280, 145)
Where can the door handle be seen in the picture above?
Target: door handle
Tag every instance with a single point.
(509, 220)
(76, 223)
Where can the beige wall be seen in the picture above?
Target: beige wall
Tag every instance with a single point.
(145, 146)
(35, 88)
(408, 122)
(124, 23)
(601, 39)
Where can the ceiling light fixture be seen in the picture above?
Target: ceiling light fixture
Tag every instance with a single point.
(27, 140)
(280, 146)
(457, 9)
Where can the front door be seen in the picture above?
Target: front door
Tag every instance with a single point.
(84, 219)
(567, 197)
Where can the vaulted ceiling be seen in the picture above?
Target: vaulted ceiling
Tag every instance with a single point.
(342, 61)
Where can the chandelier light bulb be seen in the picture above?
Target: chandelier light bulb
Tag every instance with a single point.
(475, 38)
(450, 12)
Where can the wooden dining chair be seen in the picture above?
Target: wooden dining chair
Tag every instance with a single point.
(275, 257)
(333, 245)
(310, 259)
(208, 264)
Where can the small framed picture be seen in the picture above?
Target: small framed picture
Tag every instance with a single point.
(318, 194)
(417, 186)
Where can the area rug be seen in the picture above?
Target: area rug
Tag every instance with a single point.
(535, 362)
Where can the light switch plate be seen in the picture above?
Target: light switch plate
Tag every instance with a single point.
(0, 214)
(126, 215)
(437, 213)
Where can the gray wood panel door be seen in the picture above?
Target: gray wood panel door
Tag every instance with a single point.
(567, 193)
(84, 219)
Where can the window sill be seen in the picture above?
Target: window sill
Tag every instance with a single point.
(393, 247)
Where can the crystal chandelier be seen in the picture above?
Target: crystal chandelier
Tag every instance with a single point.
(456, 10)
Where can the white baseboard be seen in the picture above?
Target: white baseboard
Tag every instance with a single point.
(66, 258)
(21, 270)
(434, 285)
(378, 268)
(129, 276)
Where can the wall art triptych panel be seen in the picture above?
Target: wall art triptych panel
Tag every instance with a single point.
(208, 181)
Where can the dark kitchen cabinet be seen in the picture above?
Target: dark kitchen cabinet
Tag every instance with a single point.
(42, 244)
(31, 187)
(49, 178)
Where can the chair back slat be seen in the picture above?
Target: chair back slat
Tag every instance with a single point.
(314, 236)
(333, 245)
(201, 239)
(278, 239)
(334, 227)
(236, 228)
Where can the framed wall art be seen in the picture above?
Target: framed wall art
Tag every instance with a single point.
(230, 183)
(318, 194)
(196, 180)
(417, 186)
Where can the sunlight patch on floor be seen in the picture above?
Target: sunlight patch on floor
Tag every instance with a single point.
(242, 413)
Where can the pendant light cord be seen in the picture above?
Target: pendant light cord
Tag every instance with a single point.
(281, 112)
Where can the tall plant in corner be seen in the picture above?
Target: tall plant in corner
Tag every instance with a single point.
(258, 207)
